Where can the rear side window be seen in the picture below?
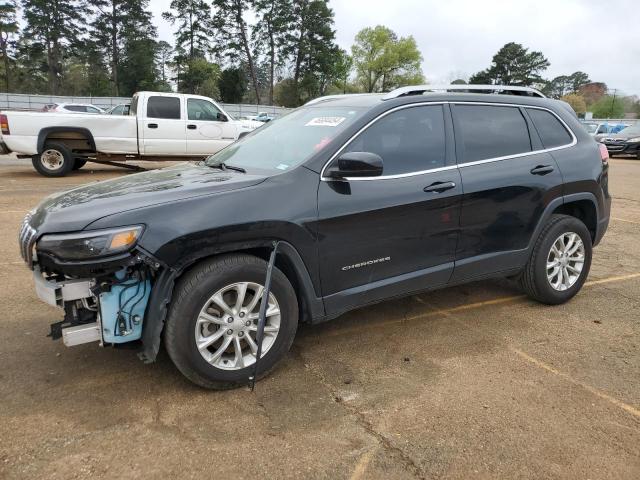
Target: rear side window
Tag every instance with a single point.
(491, 131)
(163, 107)
(76, 108)
(408, 140)
(551, 131)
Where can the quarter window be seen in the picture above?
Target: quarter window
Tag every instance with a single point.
(408, 140)
(551, 131)
(198, 109)
(491, 131)
(163, 107)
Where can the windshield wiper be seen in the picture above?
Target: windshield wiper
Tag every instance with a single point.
(224, 166)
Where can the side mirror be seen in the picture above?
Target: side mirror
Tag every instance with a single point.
(222, 117)
(356, 164)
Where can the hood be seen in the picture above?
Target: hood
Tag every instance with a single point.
(249, 124)
(75, 209)
(624, 134)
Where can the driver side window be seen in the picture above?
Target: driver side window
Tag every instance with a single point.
(198, 109)
(408, 140)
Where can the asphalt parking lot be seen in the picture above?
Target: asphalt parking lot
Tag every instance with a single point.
(469, 382)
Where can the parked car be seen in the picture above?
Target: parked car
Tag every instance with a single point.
(627, 142)
(72, 108)
(264, 117)
(120, 109)
(368, 197)
(160, 126)
(596, 129)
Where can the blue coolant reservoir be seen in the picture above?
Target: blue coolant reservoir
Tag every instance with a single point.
(122, 309)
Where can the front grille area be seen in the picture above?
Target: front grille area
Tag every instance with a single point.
(27, 240)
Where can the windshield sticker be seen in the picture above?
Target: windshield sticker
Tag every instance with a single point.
(325, 121)
(282, 166)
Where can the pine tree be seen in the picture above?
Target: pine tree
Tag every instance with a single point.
(311, 45)
(138, 67)
(8, 28)
(274, 22)
(114, 22)
(57, 25)
(235, 36)
(193, 36)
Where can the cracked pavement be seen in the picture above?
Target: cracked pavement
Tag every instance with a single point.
(471, 381)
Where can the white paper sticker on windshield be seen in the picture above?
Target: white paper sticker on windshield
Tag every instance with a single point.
(325, 121)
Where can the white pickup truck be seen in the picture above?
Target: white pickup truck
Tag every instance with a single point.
(160, 126)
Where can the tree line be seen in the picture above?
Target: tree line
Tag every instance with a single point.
(514, 64)
(286, 54)
(280, 52)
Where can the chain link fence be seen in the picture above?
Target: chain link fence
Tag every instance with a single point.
(22, 101)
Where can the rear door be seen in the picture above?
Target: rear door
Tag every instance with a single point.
(162, 128)
(208, 128)
(508, 179)
(388, 235)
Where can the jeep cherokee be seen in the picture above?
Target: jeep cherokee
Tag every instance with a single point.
(368, 196)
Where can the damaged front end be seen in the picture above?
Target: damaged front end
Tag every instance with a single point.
(102, 279)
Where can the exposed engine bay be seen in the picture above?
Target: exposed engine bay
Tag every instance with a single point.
(109, 309)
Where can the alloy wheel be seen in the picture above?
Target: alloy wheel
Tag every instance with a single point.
(565, 261)
(225, 331)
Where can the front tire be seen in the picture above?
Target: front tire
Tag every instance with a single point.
(55, 160)
(560, 261)
(212, 321)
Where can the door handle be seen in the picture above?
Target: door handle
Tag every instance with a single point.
(191, 126)
(153, 125)
(439, 187)
(542, 169)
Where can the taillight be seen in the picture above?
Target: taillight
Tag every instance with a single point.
(604, 153)
(4, 124)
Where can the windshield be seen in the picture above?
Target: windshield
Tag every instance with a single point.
(287, 142)
(631, 131)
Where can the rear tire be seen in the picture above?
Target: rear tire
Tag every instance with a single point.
(195, 317)
(560, 261)
(55, 160)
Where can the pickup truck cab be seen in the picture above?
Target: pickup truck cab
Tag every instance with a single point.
(159, 126)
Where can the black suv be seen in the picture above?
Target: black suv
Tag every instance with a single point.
(369, 196)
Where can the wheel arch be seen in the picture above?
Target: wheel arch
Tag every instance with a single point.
(584, 209)
(65, 135)
(288, 260)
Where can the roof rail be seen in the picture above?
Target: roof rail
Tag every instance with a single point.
(504, 89)
(332, 97)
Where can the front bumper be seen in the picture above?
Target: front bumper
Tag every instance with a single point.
(625, 148)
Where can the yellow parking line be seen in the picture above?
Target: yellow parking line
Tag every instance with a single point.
(612, 279)
(625, 220)
(626, 407)
(470, 306)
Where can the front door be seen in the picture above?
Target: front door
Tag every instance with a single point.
(383, 236)
(208, 129)
(508, 179)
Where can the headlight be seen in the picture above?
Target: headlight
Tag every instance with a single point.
(634, 140)
(92, 244)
